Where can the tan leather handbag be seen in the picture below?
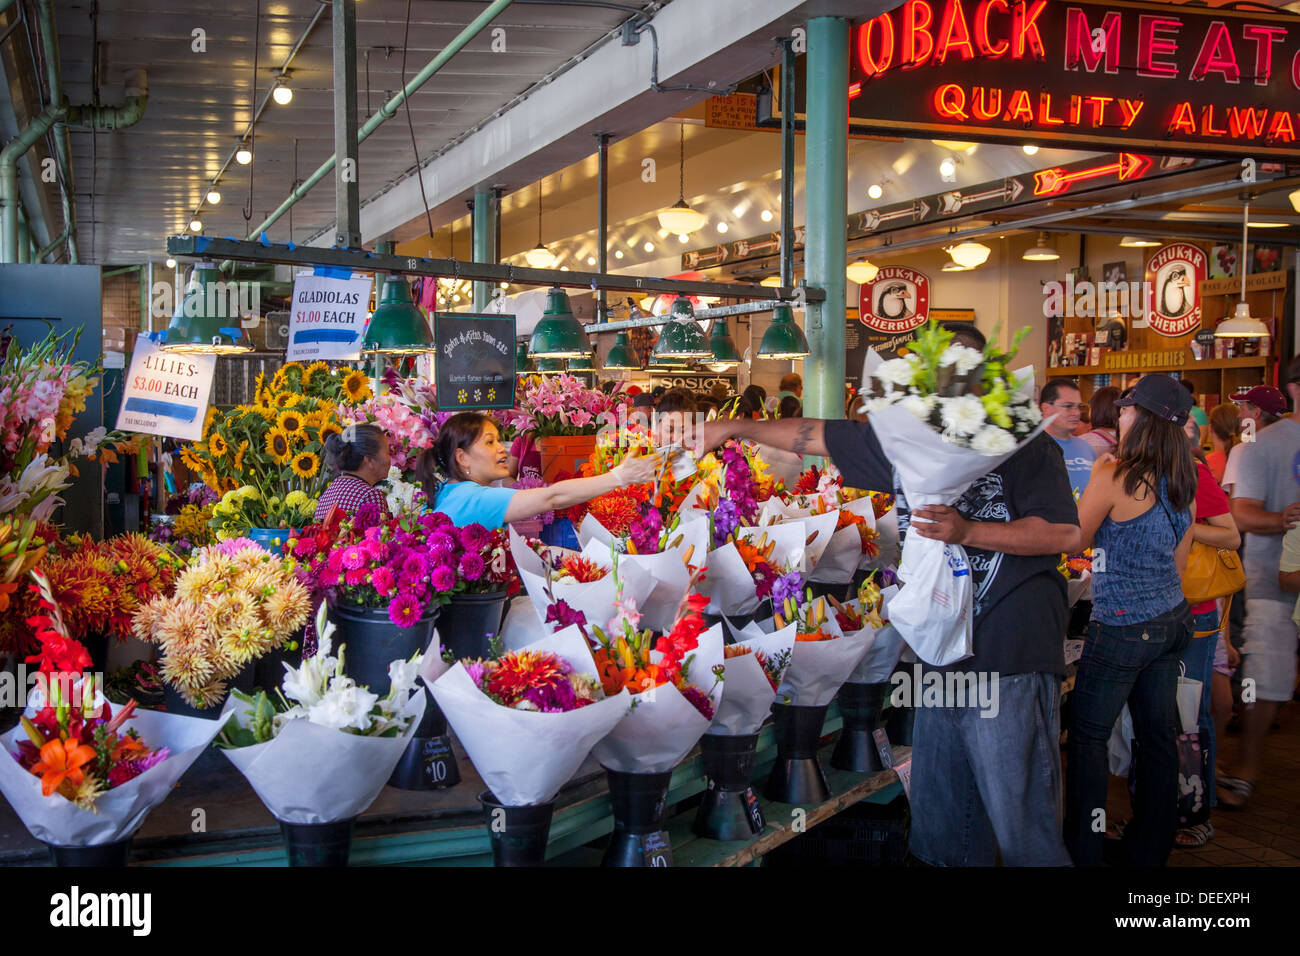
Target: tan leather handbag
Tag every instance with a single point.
(1212, 573)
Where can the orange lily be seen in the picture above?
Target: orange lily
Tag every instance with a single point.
(59, 762)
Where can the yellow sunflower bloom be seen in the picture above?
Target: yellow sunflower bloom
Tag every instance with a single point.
(312, 369)
(329, 428)
(285, 400)
(212, 415)
(217, 445)
(239, 455)
(356, 386)
(292, 423)
(277, 446)
(306, 464)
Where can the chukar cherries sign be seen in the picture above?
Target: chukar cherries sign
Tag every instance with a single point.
(896, 300)
(1173, 277)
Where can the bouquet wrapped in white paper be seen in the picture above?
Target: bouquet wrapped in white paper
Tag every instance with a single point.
(755, 668)
(590, 590)
(525, 752)
(947, 416)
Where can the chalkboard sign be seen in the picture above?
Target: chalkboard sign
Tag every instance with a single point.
(474, 366)
(658, 851)
(437, 763)
(753, 811)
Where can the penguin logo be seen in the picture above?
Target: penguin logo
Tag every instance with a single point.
(895, 301)
(1176, 293)
(1174, 276)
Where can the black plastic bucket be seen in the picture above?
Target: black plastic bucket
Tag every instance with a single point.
(518, 834)
(468, 620)
(104, 855)
(428, 762)
(318, 844)
(729, 809)
(639, 801)
(373, 642)
(860, 707)
(797, 775)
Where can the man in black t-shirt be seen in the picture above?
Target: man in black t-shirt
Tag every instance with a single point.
(982, 780)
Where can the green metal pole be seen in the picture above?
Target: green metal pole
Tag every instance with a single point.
(24, 238)
(485, 243)
(826, 197)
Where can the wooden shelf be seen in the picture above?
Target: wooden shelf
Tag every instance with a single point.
(1205, 365)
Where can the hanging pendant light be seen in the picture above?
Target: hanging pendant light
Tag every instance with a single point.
(969, 255)
(1242, 325)
(1137, 242)
(783, 338)
(723, 347)
(583, 363)
(282, 93)
(550, 366)
(397, 326)
(558, 334)
(203, 322)
(621, 358)
(682, 337)
(539, 257)
(952, 265)
(1041, 252)
(523, 361)
(861, 271)
(679, 217)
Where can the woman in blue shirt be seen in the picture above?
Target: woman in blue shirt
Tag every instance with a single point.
(467, 456)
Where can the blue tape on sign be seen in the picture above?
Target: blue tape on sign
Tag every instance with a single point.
(233, 333)
(201, 243)
(324, 335)
(152, 406)
(264, 240)
(156, 336)
(332, 272)
(291, 245)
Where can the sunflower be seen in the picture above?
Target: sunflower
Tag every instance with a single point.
(217, 445)
(239, 455)
(285, 400)
(315, 419)
(212, 415)
(312, 369)
(355, 386)
(329, 428)
(292, 424)
(306, 464)
(277, 446)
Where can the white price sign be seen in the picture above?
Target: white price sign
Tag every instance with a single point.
(166, 393)
(327, 318)
(904, 771)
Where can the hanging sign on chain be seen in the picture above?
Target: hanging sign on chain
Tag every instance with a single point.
(327, 318)
(166, 394)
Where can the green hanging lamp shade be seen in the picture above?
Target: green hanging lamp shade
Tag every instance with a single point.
(550, 366)
(582, 364)
(397, 326)
(621, 358)
(783, 339)
(523, 362)
(558, 335)
(204, 321)
(723, 346)
(682, 338)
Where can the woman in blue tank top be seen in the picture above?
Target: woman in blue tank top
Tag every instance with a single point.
(1136, 513)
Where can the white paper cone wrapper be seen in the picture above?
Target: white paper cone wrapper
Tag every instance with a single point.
(315, 774)
(664, 726)
(881, 658)
(522, 626)
(525, 757)
(1079, 588)
(747, 694)
(790, 552)
(889, 550)
(727, 583)
(818, 668)
(123, 809)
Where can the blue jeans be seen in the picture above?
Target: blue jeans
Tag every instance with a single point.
(1198, 658)
(986, 783)
(1137, 663)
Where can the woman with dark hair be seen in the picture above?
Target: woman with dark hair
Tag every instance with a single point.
(1225, 434)
(756, 395)
(1103, 414)
(1137, 511)
(467, 456)
(359, 455)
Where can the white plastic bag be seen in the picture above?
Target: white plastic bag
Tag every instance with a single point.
(1189, 700)
(1119, 749)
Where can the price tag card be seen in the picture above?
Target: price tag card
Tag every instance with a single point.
(904, 771)
(883, 748)
(1073, 651)
(657, 850)
(754, 812)
(166, 393)
(435, 756)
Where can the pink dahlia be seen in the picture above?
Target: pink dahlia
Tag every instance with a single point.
(404, 610)
(471, 566)
(443, 578)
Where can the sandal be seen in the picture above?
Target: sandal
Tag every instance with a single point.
(1194, 837)
(1233, 792)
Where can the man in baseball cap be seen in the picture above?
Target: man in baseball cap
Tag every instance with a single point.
(1265, 398)
(1162, 396)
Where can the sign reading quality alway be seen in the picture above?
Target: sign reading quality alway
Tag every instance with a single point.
(166, 394)
(328, 318)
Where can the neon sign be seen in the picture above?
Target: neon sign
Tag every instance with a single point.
(1052, 182)
(1174, 79)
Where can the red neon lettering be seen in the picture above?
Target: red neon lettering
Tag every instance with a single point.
(1263, 38)
(870, 65)
(954, 34)
(985, 45)
(1026, 37)
(1152, 45)
(1246, 122)
(1076, 107)
(1207, 122)
(1130, 109)
(1020, 108)
(950, 101)
(918, 44)
(1078, 42)
(1099, 104)
(1183, 121)
(1295, 71)
(1217, 55)
(1045, 116)
(1282, 127)
(987, 103)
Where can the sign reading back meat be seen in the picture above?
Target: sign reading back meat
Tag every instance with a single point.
(1155, 76)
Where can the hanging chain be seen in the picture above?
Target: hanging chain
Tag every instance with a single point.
(681, 163)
